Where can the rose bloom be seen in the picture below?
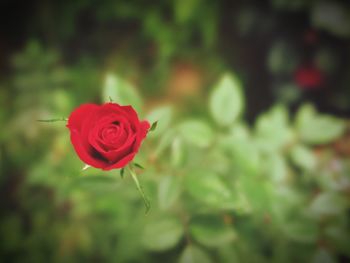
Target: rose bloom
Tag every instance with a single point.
(106, 136)
(309, 77)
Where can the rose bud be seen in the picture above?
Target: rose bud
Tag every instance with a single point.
(308, 77)
(106, 136)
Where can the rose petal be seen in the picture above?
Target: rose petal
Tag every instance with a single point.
(121, 163)
(131, 113)
(104, 147)
(79, 115)
(144, 127)
(83, 153)
(127, 111)
(117, 154)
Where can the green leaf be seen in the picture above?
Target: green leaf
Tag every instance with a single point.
(323, 256)
(185, 9)
(209, 188)
(332, 17)
(301, 231)
(303, 157)
(11, 227)
(338, 234)
(209, 25)
(211, 231)
(245, 154)
(272, 129)
(162, 234)
(327, 204)
(193, 254)
(164, 142)
(196, 132)
(282, 58)
(169, 190)
(254, 192)
(326, 60)
(226, 100)
(161, 117)
(275, 167)
(178, 153)
(315, 128)
(121, 92)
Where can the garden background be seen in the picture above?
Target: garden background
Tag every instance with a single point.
(250, 158)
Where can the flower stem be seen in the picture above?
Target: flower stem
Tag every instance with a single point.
(139, 188)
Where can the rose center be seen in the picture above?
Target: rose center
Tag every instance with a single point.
(110, 133)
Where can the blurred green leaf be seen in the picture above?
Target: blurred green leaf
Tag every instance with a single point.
(256, 192)
(211, 231)
(169, 190)
(209, 188)
(178, 153)
(305, 231)
(162, 234)
(327, 204)
(246, 20)
(275, 167)
(121, 92)
(331, 16)
(196, 132)
(162, 116)
(326, 60)
(303, 157)
(287, 92)
(245, 154)
(226, 100)
(338, 235)
(314, 128)
(209, 26)
(194, 254)
(164, 142)
(272, 129)
(323, 256)
(289, 200)
(227, 253)
(11, 233)
(282, 58)
(185, 9)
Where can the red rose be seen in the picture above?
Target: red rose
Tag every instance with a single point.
(106, 136)
(309, 77)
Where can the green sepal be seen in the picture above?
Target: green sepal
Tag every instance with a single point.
(54, 120)
(153, 126)
(138, 165)
(122, 171)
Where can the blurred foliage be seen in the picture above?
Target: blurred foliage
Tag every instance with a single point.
(222, 188)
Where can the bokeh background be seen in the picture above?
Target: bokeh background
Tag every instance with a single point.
(250, 159)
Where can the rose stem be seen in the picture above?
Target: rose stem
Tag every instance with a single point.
(139, 188)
